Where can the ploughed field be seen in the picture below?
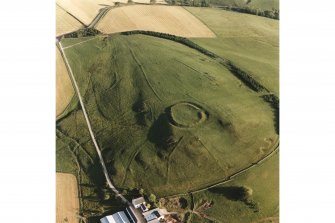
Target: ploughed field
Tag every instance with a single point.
(168, 118)
(166, 19)
(67, 201)
(84, 10)
(65, 23)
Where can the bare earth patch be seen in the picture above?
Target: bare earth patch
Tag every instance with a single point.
(64, 88)
(65, 23)
(67, 203)
(166, 19)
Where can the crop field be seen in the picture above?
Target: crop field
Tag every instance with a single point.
(67, 203)
(64, 89)
(156, 129)
(84, 10)
(251, 42)
(166, 19)
(65, 23)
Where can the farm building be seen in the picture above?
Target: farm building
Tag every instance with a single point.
(119, 217)
(140, 203)
(135, 213)
(153, 216)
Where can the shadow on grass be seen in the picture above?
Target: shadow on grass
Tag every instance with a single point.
(231, 193)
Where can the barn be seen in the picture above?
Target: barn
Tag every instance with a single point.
(119, 217)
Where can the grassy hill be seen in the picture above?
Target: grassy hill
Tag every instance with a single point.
(156, 129)
(172, 119)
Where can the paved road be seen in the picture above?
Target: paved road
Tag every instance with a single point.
(109, 182)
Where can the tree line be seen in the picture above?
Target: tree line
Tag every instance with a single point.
(273, 14)
(243, 76)
(195, 3)
(83, 33)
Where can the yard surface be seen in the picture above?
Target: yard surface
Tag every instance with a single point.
(64, 88)
(166, 19)
(67, 202)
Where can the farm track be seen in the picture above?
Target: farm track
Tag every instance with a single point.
(101, 14)
(109, 182)
(77, 145)
(80, 42)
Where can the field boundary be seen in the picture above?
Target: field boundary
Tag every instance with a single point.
(65, 112)
(72, 16)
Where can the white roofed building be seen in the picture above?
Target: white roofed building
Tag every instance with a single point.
(138, 201)
(119, 217)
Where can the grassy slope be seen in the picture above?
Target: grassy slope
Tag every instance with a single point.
(129, 81)
(264, 180)
(76, 154)
(261, 4)
(64, 88)
(251, 42)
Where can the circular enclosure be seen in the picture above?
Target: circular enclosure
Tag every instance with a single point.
(186, 114)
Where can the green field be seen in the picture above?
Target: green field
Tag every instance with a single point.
(251, 42)
(263, 180)
(225, 203)
(261, 4)
(76, 154)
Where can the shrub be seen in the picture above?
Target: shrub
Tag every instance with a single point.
(152, 198)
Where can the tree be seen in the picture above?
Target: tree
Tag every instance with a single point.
(141, 191)
(152, 198)
(186, 2)
(246, 193)
(107, 196)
